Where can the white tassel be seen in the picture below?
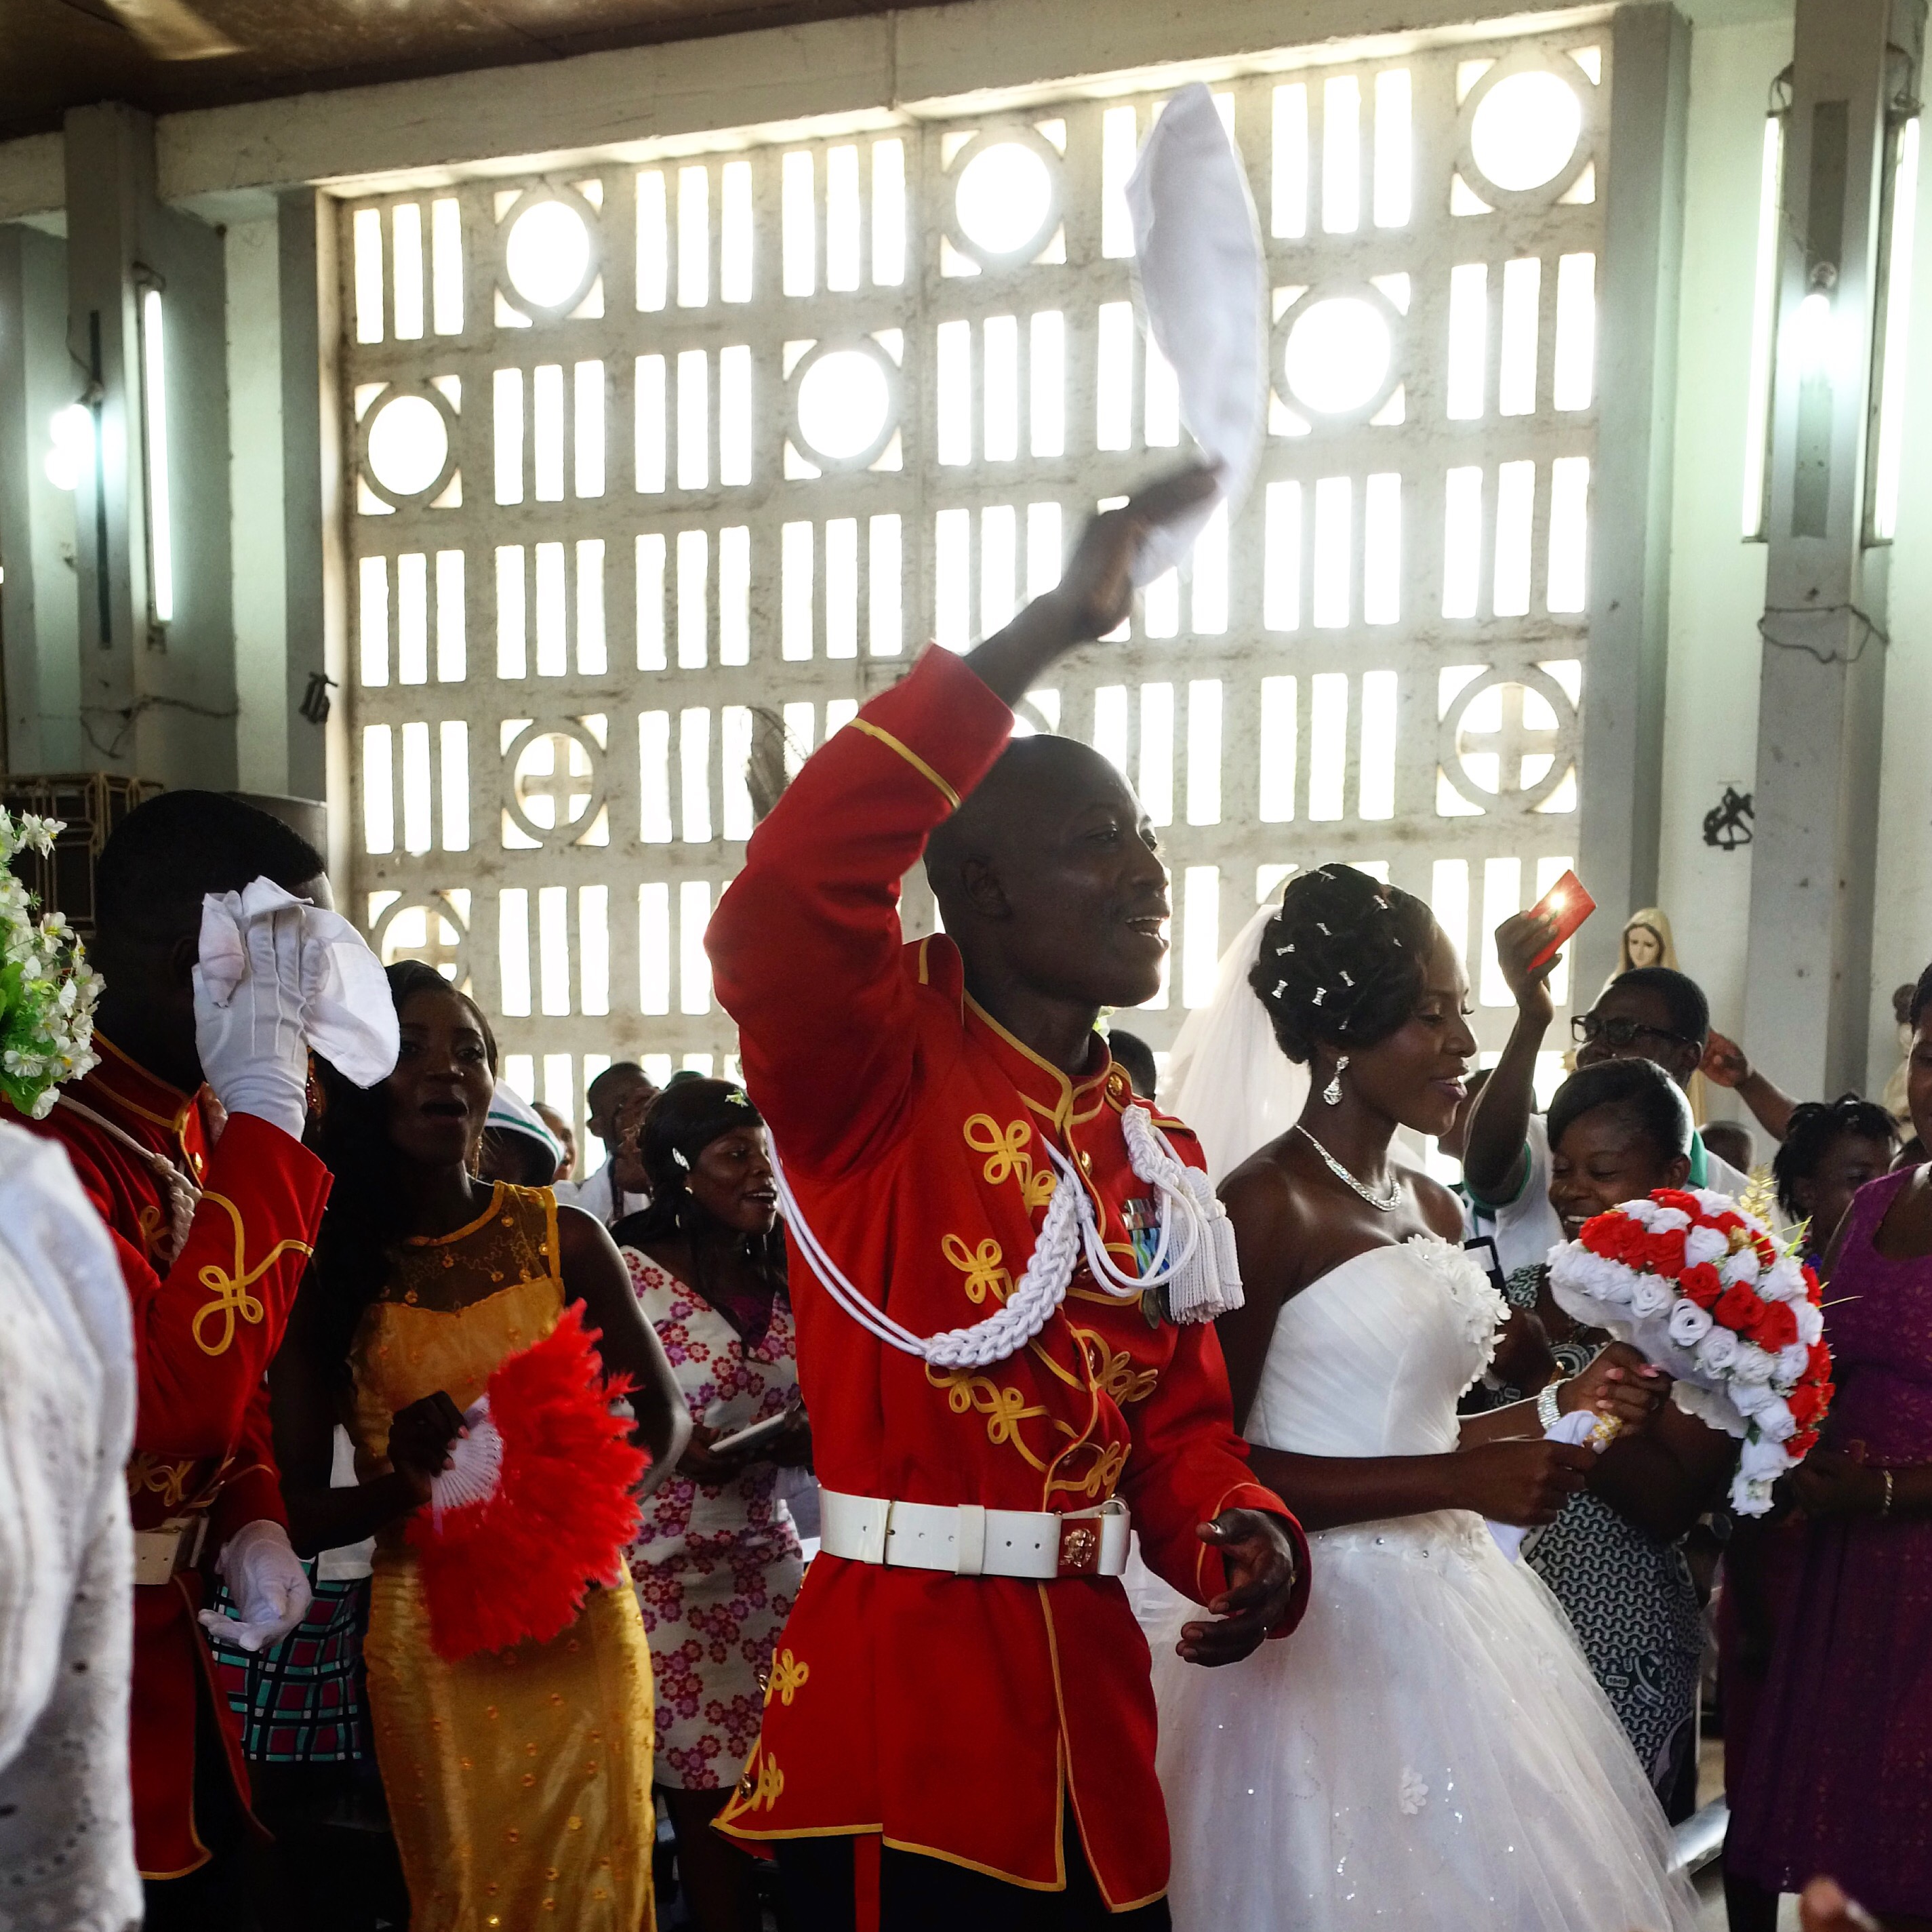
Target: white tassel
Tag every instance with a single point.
(1210, 1285)
(1204, 1282)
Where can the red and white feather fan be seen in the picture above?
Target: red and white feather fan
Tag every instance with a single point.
(537, 1504)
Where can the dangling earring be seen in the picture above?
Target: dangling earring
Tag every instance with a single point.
(1332, 1093)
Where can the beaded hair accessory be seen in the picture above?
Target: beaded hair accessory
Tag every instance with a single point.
(1339, 1003)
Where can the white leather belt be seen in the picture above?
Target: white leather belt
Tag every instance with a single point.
(964, 1539)
(159, 1554)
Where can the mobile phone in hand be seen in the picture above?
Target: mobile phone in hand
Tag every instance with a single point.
(1570, 905)
(754, 1436)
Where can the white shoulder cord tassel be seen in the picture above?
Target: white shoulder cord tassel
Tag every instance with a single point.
(1203, 1282)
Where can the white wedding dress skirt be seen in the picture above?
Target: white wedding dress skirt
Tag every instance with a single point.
(1429, 1749)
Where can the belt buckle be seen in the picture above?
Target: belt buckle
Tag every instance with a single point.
(160, 1555)
(1079, 1545)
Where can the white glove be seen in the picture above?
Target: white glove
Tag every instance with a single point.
(269, 1585)
(248, 1006)
(348, 1013)
(338, 999)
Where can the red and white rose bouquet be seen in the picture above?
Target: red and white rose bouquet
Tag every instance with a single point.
(1704, 1290)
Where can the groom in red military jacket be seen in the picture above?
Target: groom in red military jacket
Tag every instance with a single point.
(958, 1727)
(212, 1254)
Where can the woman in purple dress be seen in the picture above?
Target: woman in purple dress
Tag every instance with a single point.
(1840, 1776)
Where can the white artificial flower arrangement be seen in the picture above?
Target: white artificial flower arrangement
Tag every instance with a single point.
(48, 991)
(1701, 1287)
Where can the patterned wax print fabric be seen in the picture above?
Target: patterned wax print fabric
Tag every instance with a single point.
(716, 1567)
(1629, 1598)
(1841, 1773)
(518, 1780)
(301, 1701)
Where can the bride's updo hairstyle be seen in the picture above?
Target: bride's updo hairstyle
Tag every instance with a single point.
(1343, 960)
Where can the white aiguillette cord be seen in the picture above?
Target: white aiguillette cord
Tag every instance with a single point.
(1203, 1272)
(184, 1196)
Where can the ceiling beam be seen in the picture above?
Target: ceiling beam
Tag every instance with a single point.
(687, 94)
(33, 177)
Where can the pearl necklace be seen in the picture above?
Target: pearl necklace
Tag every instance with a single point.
(1387, 1203)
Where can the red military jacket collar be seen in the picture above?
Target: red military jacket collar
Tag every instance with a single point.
(140, 1103)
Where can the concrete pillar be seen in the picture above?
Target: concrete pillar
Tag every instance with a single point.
(157, 701)
(316, 593)
(1822, 681)
(39, 600)
(257, 510)
(1629, 571)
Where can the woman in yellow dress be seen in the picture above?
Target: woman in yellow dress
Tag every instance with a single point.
(519, 1781)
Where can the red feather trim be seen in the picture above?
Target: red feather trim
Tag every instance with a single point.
(520, 1563)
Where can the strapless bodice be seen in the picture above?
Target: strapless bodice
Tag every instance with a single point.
(1370, 1359)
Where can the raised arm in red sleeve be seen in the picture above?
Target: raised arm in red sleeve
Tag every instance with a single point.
(805, 945)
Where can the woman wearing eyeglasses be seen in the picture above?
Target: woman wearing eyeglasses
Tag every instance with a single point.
(1653, 1013)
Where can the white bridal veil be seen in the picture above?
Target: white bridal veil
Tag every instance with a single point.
(1226, 1077)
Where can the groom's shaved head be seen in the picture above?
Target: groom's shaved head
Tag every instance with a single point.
(1033, 784)
(1047, 873)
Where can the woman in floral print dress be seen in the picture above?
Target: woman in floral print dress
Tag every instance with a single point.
(717, 1561)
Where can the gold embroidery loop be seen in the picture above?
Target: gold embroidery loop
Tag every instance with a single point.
(229, 1290)
(1004, 1409)
(156, 1229)
(1007, 1154)
(982, 1270)
(1102, 1478)
(787, 1678)
(1115, 1373)
(148, 1474)
(231, 1298)
(762, 1788)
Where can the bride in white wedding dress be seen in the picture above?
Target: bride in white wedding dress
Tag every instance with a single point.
(1428, 1749)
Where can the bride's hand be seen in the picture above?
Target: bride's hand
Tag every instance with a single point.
(1259, 1556)
(1524, 1482)
(1618, 1383)
(1823, 1907)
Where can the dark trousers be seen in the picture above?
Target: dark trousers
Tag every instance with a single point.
(848, 1885)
